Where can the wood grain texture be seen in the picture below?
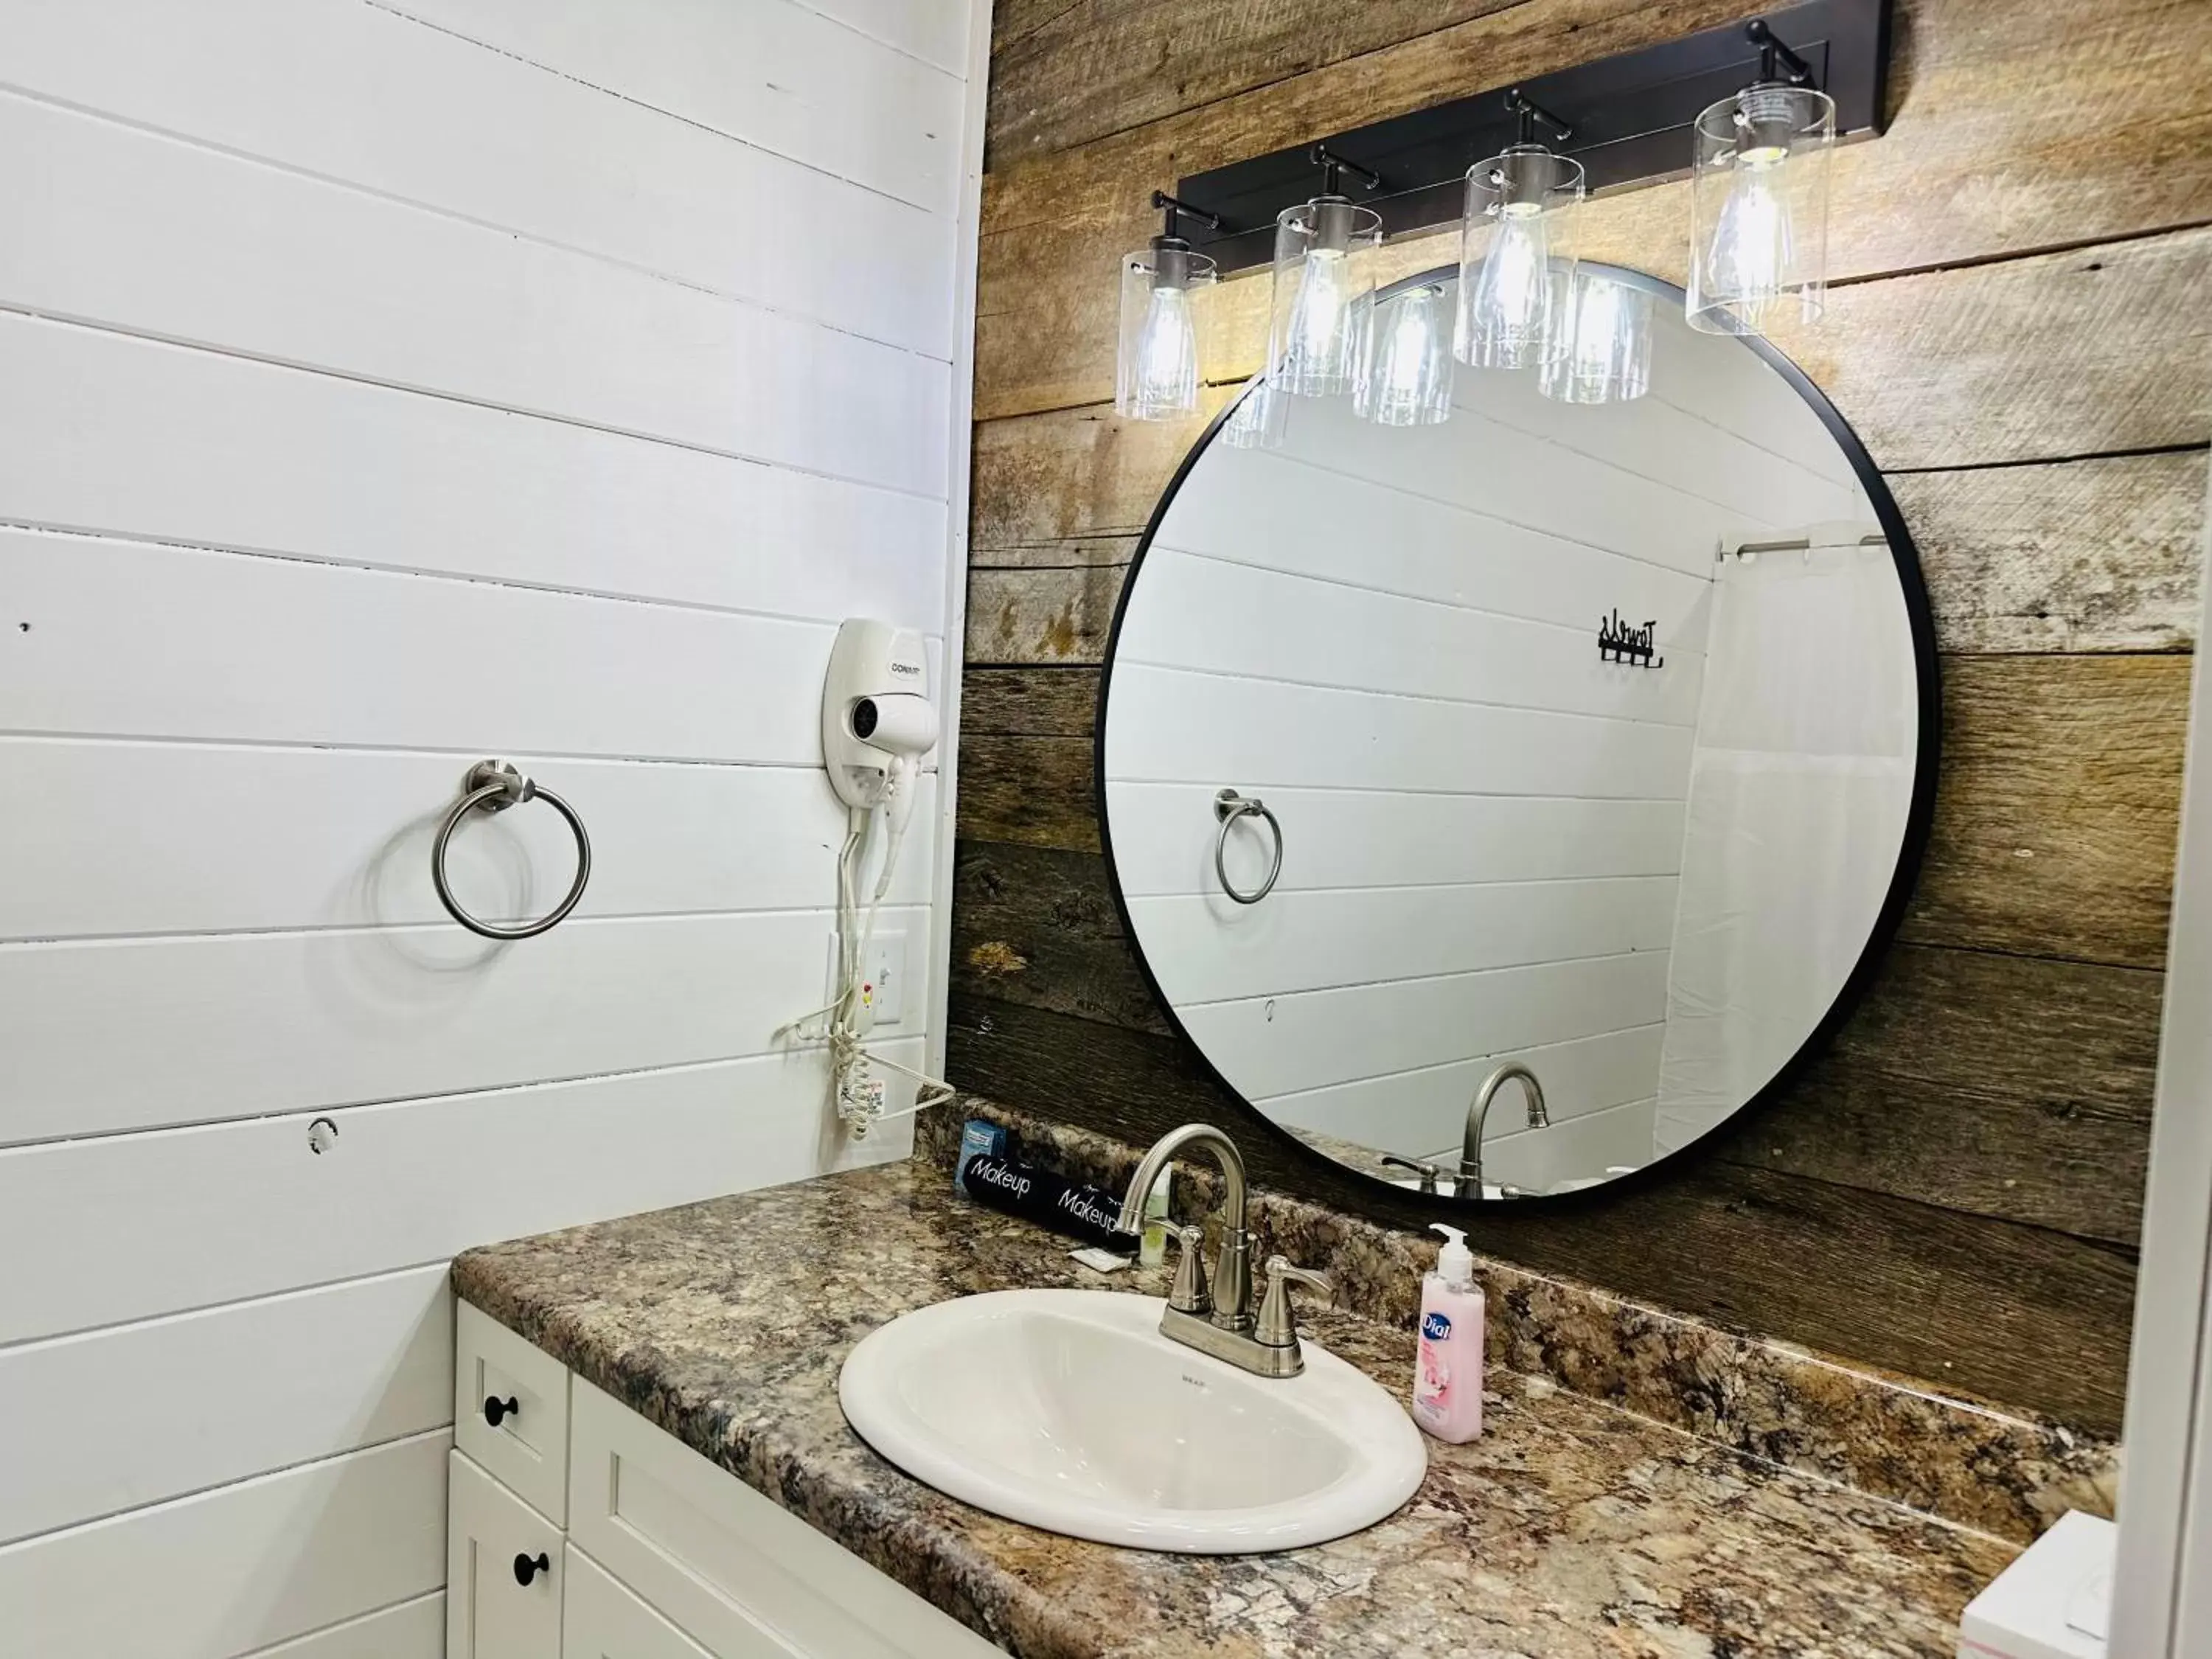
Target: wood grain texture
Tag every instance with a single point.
(2018, 1313)
(1064, 74)
(2097, 555)
(1955, 1060)
(2017, 335)
(1038, 927)
(2000, 144)
(1960, 1061)
(2058, 808)
(2070, 556)
(2057, 811)
(1020, 703)
(1057, 615)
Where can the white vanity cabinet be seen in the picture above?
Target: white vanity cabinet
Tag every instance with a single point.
(578, 1530)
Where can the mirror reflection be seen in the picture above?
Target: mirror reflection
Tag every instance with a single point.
(1500, 804)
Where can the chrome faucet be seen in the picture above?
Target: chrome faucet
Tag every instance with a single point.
(1218, 1320)
(1478, 1114)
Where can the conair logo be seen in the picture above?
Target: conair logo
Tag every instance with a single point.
(911, 670)
(1434, 1326)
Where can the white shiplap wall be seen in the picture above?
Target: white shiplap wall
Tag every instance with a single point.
(1389, 634)
(384, 385)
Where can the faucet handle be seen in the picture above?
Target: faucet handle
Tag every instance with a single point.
(1277, 1327)
(1189, 1295)
(1428, 1172)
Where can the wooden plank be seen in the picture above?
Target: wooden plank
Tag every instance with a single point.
(1376, 934)
(2021, 1314)
(333, 1369)
(412, 1630)
(2055, 824)
(935, 31)
(241, 1567)
(131, 231)
(1036, 926)
(1056, 555)
(2057, 807)
(770, 73)
(360, 95)
(2097, 555)
(1041, 616)
(248, 1209)
(586, 676)
(256, 838)
(1020, 703)
(226, 1026)
(1034, 791)
(1257, 733)
(1987, 94)
(2001, 1085)
(381, 479)
(1076, 73)
(1077, 473)
(1997, 1085)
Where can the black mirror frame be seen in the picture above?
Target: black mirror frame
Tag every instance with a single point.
(1912, 851)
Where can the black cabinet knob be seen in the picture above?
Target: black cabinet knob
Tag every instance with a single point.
(527, 1567)
(497, 1408)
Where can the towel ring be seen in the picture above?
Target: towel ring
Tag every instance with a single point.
(1229, 806)
(493, 786)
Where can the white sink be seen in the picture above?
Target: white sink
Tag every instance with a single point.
(1069, 1411)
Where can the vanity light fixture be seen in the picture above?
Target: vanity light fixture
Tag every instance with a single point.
(1324, 286)
(1606, 333)
(1155, 372)
(1758, 198)
(1405, 379)
(1517, 259)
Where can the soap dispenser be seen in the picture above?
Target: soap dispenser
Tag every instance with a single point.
(1448, 1371)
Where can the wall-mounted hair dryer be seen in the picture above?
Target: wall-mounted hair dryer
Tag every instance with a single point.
(878, 722)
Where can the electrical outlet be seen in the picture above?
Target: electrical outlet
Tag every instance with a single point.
(883, 989)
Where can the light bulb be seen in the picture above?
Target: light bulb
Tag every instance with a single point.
(1167, 357)
(1752, 250)
(1513, 290)
(1317, 355)
(1407, 381)
(1322, 296)
(1507, 311)
(1607, 359)
(1156, 371)
(1758, 207)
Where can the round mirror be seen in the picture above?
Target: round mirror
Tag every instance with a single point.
(1503, 803)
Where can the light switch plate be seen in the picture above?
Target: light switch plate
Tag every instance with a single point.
(882, 993)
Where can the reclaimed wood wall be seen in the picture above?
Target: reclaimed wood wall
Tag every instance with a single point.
(2019, 333)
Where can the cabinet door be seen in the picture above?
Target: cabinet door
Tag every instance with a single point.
(600, 1619)
(503, 1571)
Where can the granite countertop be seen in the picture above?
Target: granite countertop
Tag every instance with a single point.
(1571, 1527)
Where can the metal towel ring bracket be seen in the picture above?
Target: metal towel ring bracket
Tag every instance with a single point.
(493, 786)
(1229, 806)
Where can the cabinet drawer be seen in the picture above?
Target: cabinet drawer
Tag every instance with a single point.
(741, 1576)
(492, 1540)
(528, 1448)
(600, 1619)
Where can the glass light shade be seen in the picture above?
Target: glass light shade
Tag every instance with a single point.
(1605, 329)
(1157, 372)
(1259, 418)
(1516, 256)
(1324, 285)
(1758, 208)
(1405, 379)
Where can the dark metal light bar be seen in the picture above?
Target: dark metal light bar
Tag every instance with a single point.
(1629, 116)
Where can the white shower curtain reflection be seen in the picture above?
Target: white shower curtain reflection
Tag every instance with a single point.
(1800, 783)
